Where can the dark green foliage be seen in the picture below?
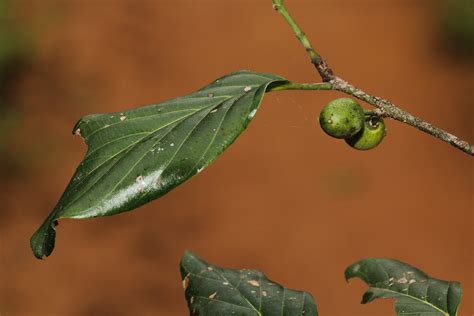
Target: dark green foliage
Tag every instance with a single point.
(415, 292)
(139, 155)
(211, 290)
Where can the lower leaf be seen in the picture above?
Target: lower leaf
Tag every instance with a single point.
(211, 290)
(415, 292)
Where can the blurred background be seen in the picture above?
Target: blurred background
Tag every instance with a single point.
(285, 198)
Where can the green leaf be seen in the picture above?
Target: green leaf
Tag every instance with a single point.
(138, 155)
(211, 290)
(415, 292)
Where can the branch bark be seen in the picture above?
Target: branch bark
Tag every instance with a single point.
(385, 107)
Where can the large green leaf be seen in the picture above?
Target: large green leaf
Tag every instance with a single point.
(415, 292)
(138, 155)
(211, 290)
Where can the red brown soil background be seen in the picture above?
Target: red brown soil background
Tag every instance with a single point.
(285, 198)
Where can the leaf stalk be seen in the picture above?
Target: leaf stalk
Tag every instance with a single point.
(301, 86)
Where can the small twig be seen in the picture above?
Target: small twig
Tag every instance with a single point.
(323, 69)
(385, 107)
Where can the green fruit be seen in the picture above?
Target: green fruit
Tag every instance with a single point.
(342, 118)
(370, 136)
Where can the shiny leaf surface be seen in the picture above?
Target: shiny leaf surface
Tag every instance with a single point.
(415, 292)
(210, 290)
(138, 155)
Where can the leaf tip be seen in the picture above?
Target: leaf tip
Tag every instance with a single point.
(186, 259)
(42, 241)
(351, 271)
(367, 297)
(188, 255)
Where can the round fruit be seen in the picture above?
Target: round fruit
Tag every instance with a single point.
(370, 136)
(342, 118)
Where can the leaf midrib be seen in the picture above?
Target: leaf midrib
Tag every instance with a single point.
(414, 298)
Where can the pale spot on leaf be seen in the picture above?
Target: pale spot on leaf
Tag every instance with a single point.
(402, 280)
(186, 282)
(253, 282)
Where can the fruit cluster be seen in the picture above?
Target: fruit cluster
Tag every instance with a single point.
(345, 118)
